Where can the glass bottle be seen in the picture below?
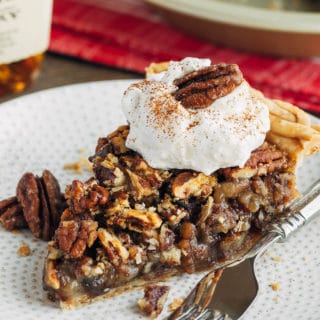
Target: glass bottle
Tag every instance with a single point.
(24, 37)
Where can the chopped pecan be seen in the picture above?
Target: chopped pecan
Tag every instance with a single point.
(116, 251)
(171, 212)
(109, 172)
(121, 133)
(154, 299)
(166, 237)
(86, 196)
(232, 242)
(144, 180)
(88, 268)
(171, 257)
(187, 184)
(6, 203)
(51, 278)
(136, 220)
(137, 254)
(188, 231)
(74, 237)
(188, 240)
(222, 218)
(230, 189)
(265, 159)
(98, 195)
(199, 89)
(119, 201)
(205, 212)
(12, 217)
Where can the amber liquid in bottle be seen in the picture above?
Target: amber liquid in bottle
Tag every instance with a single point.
(16, 76)
(24, 37)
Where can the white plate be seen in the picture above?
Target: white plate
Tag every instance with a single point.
(45, 130)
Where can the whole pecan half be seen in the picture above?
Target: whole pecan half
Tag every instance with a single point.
(38, 205)
(198, 89)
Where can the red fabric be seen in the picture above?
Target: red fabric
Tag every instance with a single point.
(127, 34)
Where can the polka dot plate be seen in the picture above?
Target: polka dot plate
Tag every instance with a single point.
(48, 129)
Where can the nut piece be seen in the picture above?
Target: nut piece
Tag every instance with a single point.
(265, 159)
(116, 251)
(188, 184)
(144, 180)
(136, 220)
(28, 196)
(199, 89)
(37, 205)
(24, 250)
(84, 196)
(55, 198)
(74, 237)
(46, 230)
(154, 299)
(11, 214)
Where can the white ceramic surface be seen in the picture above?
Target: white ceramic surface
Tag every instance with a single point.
(46, 130)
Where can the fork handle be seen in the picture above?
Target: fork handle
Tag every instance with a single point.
(298, 213)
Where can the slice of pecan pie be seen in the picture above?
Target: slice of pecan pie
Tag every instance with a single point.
(131, 223)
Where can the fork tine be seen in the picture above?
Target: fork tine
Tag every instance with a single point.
(199, 298)
(218, 315)
(189, 314)
(205, 315)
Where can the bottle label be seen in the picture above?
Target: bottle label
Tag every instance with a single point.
(24, 28)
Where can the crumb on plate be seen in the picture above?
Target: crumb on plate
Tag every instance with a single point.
(274, 286)
(24, 250)
(15, 231)
(154, 300)
(175, 304)
(79, 166)
(276, 259)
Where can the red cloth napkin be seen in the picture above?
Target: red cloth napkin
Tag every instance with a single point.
(128, 34)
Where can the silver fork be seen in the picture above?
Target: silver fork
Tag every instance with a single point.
(203, 304)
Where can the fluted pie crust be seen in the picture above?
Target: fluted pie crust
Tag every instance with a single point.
(131, 224)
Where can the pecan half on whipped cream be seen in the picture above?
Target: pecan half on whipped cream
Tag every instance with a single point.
(198, 89)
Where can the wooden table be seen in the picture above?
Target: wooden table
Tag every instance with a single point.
(59, 70)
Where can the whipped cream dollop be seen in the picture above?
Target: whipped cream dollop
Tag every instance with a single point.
(170, 136)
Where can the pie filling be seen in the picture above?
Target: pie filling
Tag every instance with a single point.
(130, 223)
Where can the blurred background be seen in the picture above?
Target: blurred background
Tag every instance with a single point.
(276, 43)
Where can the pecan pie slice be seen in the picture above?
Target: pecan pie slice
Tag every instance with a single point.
(131, 224)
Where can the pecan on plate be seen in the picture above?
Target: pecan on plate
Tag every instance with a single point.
(28, 196)
(198, 89)
(37, 205)
(154, 299)
(11, 214)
